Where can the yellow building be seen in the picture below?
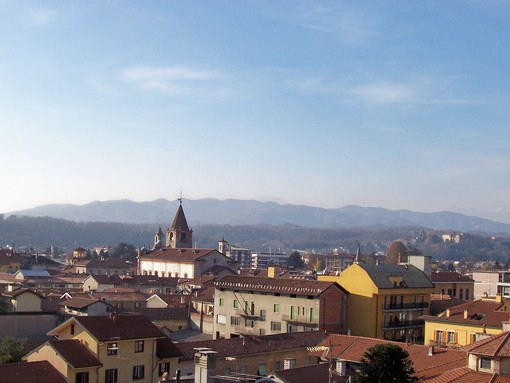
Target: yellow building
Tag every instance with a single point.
(464, 324)
(110, 349)
(9, 261)
(453, 284)
(385, 301)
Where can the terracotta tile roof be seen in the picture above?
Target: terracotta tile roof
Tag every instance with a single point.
(312, 373)
(465, 375)
(75, 353)
(177, 255)
(18, 292)
(40, 372)
(275, 285)
(160, 314)
(437, 306)
(352, 348)
(8, 256)
(446, 276)
(78, 302)
(253, 345)
(495, 346)
(480, 312)
(109, 263)
(204, 295)
(120, 327)
(124, 296)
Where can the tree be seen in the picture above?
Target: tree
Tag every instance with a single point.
(295, 261)
(125, 251)
(395, 251)
(12, 349)
(386, 362)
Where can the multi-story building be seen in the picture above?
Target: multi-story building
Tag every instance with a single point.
(262, 260)
(466, 323)
(453, 284)
(247, 306)
(337, 262)
(108, 349)
(241, 255)
(491, 283)
(385, 301)
(9, 261)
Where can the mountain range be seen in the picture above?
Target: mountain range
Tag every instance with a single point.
(252, 212)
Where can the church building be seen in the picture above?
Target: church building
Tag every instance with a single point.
(175, 256)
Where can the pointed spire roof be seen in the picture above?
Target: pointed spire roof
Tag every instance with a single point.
(159, 233)
(180, 222)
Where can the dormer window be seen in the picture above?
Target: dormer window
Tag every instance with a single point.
(485, 363)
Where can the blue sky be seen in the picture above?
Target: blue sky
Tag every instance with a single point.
(395, 104)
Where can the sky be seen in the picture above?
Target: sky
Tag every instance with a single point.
(394, 104)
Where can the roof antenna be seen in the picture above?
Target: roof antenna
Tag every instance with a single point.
(180, 198)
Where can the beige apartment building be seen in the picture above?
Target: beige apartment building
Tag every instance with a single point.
(248, 306)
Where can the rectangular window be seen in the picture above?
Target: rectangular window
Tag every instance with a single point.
(262, 315)
(82, 377)
(312, 314)
(244, 370)
(139, 346)
(112, 348)
(249, 323)
(277, 365)
(467, 294)
(164, 367)
(292, 312)
(485, 363)
(461, 294)
(227, 371)
(222, 319)
(236, 303)
(261, 370)
(276, 326)
(262, 332)
(110, 375)
(451, 337)
(235, 321)
(138, 372)
(72, 329)
(222, 302)
(276, 308)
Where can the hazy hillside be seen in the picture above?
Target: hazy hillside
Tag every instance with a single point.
(251, 212)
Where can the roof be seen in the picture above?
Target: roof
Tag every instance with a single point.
(8, 256)
(33, 273)
(311, 373)
(108, 263)
(118, 327)
(204, 295)
(163, 314)
(253, 345)
(352, 348)
(466, 375)
(438, 305)
(18, 292)
(449, 277)
(120, 295)
(75, 353)
(165, 348)
(43, 371)
(480, 312)
(412, 276)
(494, 346)
(180, 222)
(274, 285)
(181, 255)
(80, 302)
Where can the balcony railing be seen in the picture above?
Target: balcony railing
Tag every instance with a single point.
(402, 324)
(300, 319)
(405, 306)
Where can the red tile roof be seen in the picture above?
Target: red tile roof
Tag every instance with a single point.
(40, 372)
(495, 346)
(480, 312)
(274, 285)
(177, 255)
(121, 327)
(75, 353)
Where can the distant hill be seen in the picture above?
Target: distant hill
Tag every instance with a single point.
(251, 212)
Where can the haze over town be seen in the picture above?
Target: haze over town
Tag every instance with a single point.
(402, 105)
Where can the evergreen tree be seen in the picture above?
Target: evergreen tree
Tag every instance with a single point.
(386, 363)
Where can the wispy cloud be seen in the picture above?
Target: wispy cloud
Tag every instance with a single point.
(41, 17)
(177, 80)
(415, 90)
(350, 24)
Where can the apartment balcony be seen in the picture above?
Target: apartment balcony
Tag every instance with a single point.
(300, 320)
(399, 325)
(405, 306)
(246, 314)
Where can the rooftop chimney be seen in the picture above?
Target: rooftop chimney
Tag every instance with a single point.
(431, 350)
(447, 313)
(466, 313)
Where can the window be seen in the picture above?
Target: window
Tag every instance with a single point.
(236, 303)
(262, 332)
(277, 365)
(228, 371)
(111, 349)
(467, 294)
(244, 370)
(292, 312)
(261, 369)
(461, 294)
(262, 315)
(276, 326)
(485, 363)
(164, 367)
(312, 314)
(222, 301)
(235, 321)
(110, 375)
(439, 336)
(221, 319)
(72, 329)
(82, 377)
(451, 337)
(249, 323)
(138, 372)
(276, 308)
(139, 346)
